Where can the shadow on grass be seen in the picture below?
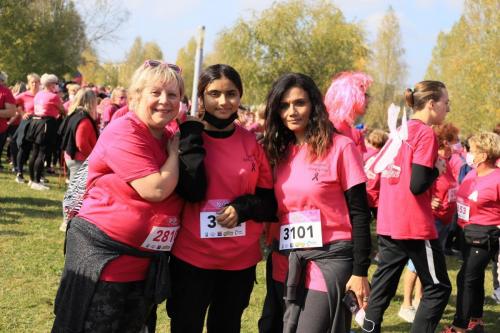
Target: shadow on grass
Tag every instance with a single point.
(12, 233)
(14, 209)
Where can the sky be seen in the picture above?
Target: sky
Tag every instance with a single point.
(171, 23)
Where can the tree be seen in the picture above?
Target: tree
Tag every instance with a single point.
(185, 60)
(466, 60)
(311, 37)
(138, 53)
(103, 19)
(388, 69)
(40, 36)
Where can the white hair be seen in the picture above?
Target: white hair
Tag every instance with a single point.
(47, 79)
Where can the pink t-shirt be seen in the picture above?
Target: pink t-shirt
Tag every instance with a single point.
(120, 112)
(108, 112)
(401, 214)
(478, 199)
(124, 152)
(456, 162)
(235, 166)
(47, 104)
(5, 97)
(373, 183)
(445, 189)
(319, 185)
(354, 134)
(26, 101)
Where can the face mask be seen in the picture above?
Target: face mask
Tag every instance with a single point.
(219, 123)
(469, 159)
(457, 147)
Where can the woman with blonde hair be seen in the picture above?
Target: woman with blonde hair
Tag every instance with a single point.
(117, 247)
(79, 130)
(478, 208)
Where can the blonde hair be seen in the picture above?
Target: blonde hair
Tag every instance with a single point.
(116, 91)
(146, 74)
(487, 142)
(377, 138)
(85, 99)
(73, 86)
(32, 76)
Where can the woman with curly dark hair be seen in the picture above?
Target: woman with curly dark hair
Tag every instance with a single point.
(322, 243)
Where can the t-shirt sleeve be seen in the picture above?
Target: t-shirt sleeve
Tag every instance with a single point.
(107, 113)
(129, 154)
(20, 101)
(350, 167)
(85, 137)
(426, 148)
(265, 173)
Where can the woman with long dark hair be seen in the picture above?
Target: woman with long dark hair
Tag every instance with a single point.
(322, 242)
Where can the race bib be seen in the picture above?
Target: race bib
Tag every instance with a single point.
(452, 194)
(463, 211)
(161, 238)
(302, 231)
(209, 228)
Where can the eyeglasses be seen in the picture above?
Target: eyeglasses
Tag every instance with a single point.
(156, 63)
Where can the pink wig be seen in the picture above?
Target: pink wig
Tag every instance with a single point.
(345, 98)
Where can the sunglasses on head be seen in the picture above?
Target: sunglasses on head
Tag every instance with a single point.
(156, 63)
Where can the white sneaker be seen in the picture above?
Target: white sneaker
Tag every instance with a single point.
(29, 183)
(407, 314)
(44, 180)
(496, 295)
(19, 179)
(39, 187)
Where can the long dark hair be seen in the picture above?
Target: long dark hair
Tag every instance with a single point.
(278, 137)
(215, 72)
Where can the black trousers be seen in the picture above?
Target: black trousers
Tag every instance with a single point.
(428, 258)
(22, 155)
(470, 282)
(3, 139)
(224, 293)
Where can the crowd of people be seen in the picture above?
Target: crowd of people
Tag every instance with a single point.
(179, 207)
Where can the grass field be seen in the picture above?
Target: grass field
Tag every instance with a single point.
(31, 261)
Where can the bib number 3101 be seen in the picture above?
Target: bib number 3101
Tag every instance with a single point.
(304, 231)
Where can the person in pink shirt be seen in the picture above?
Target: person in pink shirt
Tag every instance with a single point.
(72, 90)
(7, 110)
(478, 208)
(405, 223)
(346, 99)
(218, 246)
(20, 147)
(376, 140)
(118, 100)
(322, 243)
(117, 247)
(42, 132)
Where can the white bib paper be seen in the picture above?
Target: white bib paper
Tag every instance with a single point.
(302, 231)
(209, 228)
(161, 238)
(463, 211)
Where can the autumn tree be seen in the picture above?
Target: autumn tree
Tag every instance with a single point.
(40, 36)
(311, 37)
(466, 60)
(138, 53)
(388, 69)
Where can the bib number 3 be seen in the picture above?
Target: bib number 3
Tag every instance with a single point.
(209, 228)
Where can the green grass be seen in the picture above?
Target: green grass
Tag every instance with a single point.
(31, 261)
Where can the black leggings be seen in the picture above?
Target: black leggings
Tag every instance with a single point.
(224, 293)
(470, 282)
(36, 162)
